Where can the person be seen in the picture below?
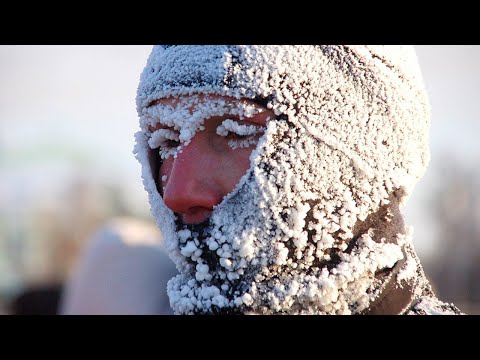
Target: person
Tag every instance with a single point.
(277, 174)
(123, 271)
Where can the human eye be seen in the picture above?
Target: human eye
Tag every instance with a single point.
(234, 136)
(239, 135)
(166, 140)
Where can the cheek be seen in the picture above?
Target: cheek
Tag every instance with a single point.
(239, 164)
(243, 158)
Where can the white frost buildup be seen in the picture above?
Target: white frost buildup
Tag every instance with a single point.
(409, 270)
(351, 127)
(189, 249)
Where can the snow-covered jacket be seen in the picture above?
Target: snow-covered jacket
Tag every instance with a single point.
(123, 271)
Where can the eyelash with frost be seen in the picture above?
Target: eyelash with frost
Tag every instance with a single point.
(160, 138)
(231, 126)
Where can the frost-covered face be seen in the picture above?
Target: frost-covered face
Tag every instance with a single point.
(263, 215)
(195, 178)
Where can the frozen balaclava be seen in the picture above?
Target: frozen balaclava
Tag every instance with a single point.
(314, 226)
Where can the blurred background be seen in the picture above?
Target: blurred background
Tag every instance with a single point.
(67, 119)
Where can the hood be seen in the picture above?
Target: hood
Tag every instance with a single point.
(301, 232)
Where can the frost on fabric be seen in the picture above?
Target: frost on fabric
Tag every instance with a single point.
(409, 271)
(432, 306)
(351, 127)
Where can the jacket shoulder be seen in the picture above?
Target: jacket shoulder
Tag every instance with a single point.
(432, 306)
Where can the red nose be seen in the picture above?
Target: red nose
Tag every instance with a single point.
(192, 187)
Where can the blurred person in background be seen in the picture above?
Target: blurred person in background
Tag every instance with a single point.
(36, 300)
(277, 173)
(123, 271)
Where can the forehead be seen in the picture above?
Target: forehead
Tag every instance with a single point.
(197, 101)
(188, 112)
